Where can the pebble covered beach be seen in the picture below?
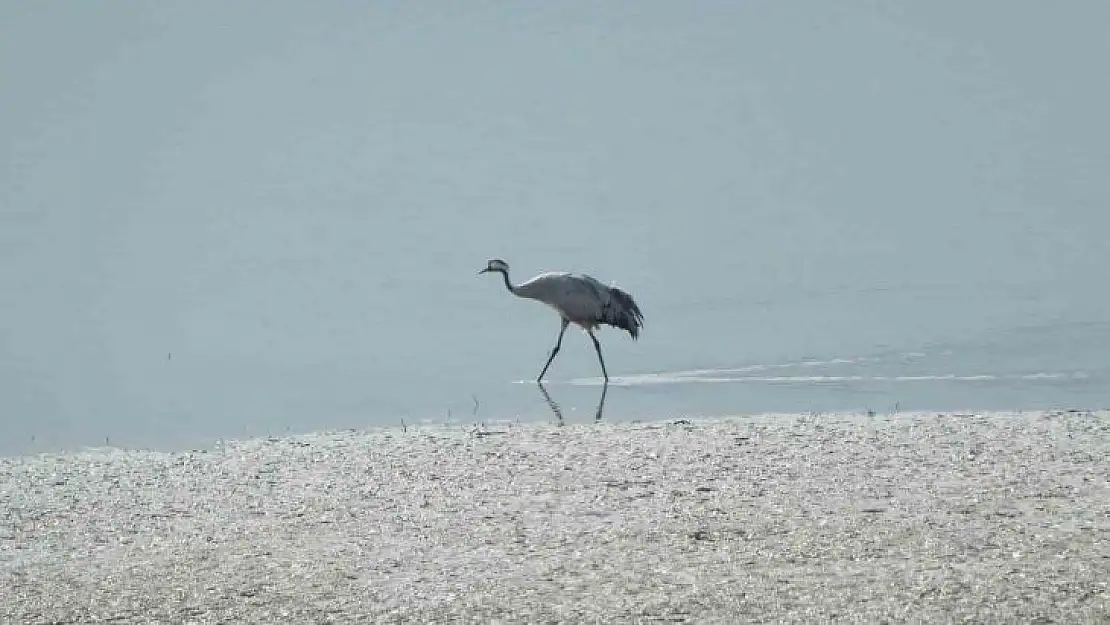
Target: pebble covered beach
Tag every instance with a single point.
(909, 517)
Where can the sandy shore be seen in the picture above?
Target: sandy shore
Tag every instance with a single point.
(985, 518)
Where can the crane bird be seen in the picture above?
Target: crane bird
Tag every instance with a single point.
(579, 299)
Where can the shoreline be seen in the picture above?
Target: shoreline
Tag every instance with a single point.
(995, 516)
(580, 418)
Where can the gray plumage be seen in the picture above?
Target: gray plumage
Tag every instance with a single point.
(579, 299)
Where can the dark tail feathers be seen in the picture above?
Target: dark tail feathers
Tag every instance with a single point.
(623, 312)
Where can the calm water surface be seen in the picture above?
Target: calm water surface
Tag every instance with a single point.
(280, 232)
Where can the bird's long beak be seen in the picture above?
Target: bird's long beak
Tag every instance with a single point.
(486, 270)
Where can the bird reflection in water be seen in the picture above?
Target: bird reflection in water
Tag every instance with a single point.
(559, 412)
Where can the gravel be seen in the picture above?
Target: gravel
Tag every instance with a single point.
(986, 518)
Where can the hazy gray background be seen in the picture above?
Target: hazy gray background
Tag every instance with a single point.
(293, 200)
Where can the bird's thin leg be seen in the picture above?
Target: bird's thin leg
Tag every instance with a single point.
(554, 351)
(597, 346)
(601, 402)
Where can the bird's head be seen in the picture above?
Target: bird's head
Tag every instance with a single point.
(496, 264)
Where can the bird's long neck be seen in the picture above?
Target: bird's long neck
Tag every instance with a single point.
(508, 285)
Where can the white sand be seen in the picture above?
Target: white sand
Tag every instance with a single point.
(851, 518)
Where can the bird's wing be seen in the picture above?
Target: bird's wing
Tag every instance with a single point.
(543, 283)
(577, 297)
(599, 290)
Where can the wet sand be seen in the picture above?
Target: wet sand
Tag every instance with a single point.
(987, 518)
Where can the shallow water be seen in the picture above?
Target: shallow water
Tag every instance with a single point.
(281, 231)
